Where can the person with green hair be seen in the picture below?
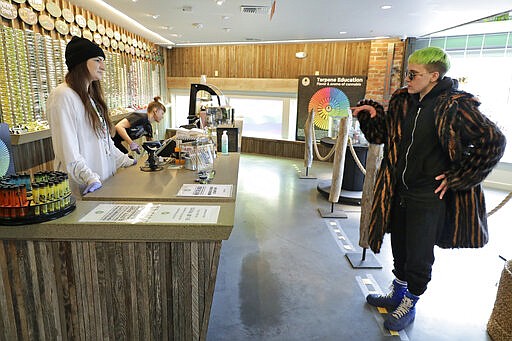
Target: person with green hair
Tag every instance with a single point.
(438, 148)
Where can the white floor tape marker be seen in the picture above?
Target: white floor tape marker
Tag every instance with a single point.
(340, 236)
(368, 285)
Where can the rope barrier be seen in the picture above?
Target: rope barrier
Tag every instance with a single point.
(363, 170)
(317, 153)
(355, 157)
(500, 205)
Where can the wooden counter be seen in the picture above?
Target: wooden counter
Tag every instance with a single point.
(72, 280)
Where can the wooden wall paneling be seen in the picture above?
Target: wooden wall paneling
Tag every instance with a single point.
(281, 148)
(106, 290)
(9, 329)
(142, 292)
(269, 60)
(33, 155)
(211, 279)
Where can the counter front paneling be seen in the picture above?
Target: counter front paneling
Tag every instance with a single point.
(74, 278)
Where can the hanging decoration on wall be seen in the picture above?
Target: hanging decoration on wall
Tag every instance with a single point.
(80, 20)
(92, 25)
(38, 5)
(46, 22)
(61, 27)
(8, 10)
(101, 29)
(68, 15)
(53, 9)
(28, 15)
(330, 97)
(75, 30)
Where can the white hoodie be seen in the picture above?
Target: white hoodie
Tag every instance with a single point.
(86, 157)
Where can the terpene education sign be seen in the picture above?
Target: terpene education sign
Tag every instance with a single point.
(329, 97)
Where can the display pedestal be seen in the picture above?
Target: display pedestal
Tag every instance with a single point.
(346, 197)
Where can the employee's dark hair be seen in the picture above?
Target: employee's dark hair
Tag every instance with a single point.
(156, 104)
(77, 79)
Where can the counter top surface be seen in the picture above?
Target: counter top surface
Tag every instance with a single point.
(134, 184)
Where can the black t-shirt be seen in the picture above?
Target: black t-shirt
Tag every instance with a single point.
(420, 155)
(139, 126)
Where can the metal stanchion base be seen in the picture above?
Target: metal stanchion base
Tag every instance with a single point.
(346, 197)
(357, 262)
(305, 174)
(326, 213)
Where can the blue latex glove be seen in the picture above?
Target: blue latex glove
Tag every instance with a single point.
(135, 147)
(134, 162)
(92, 187)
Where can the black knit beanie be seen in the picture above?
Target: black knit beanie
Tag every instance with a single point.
(80, 50)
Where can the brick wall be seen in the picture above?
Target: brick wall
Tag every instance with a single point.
(377, 87)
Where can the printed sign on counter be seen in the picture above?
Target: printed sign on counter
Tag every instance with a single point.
(150, 213)
(205, 190)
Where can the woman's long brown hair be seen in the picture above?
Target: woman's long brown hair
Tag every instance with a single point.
(77, 79)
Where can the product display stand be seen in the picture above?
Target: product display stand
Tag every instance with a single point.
(362, 260)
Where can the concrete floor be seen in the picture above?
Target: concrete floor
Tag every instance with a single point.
(283, 275)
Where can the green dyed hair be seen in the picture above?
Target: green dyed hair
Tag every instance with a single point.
(434, 59)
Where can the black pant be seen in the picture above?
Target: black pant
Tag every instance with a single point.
(118, 142)
(415, 226)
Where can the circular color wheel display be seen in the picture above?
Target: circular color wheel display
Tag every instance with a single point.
(328, 102)
(5, 158)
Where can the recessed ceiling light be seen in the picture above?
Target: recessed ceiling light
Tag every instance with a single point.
(227, 29)
(225, 17)
(198, 25)
(155, 16)
(219, 2)
(343, 32)
(166, 28)
(385, 7)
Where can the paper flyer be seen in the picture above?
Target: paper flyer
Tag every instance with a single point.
(151, 213)
(205, 190)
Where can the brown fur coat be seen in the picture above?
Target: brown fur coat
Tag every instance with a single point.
(474, 145)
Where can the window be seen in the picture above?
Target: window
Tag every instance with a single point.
(482, 67)
(269, 115)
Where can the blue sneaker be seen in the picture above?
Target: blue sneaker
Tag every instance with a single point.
(404, 314)
(392, 299)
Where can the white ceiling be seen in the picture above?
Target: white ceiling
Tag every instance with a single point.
(293, 19)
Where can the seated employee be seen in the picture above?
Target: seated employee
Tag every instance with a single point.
(138, 124)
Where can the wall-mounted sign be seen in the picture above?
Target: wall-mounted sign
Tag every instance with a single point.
(330, 97)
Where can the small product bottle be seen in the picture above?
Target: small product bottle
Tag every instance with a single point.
(225, 140)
